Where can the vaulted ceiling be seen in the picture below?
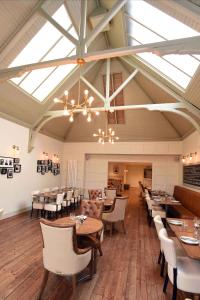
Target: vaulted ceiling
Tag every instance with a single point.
(19, 22)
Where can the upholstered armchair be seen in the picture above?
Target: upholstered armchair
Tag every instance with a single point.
(116, 213)
(37, 203)
(93, 209)
(94, 194)
(61, 254)
(111, 193)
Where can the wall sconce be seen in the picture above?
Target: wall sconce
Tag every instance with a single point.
(192, 155)
(183, 158)
(15, 150)
(55, 158)
(45, 156)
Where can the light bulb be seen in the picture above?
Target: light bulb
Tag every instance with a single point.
(90, 100)
(113, 133)
(72, 102)
(86, 92)
(89, 118)
(94, 134)
(99, 140)
(97, 113)
(183, 159)
(103, 132)
(71, 118)
(111, 110)
(112, 142)
(99, 130)
(84, 111)
(66, 93)
(190, 157)
(117, 138)
(103, 142)
(66, 112)
(110, 129)
(56, 100)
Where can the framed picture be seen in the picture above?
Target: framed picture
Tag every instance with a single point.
(46, 169)
(9, 173)
(39, 162)
(6, 162)
(55, 172)
(17, 168)
(49, 162)
(3, 171)
(16, 160)
(116, 169)
(39, 169)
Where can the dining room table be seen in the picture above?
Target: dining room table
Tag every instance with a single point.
(166, 202)
(185, 228)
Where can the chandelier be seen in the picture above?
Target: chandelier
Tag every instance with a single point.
(83, 105)
(106, 136)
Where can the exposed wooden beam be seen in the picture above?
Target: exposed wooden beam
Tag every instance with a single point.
(107, 79)
(83, 25)
(56, 25)
(194, 110)
(93, 89)
(151, 107)
(123, 85)
(111, 13)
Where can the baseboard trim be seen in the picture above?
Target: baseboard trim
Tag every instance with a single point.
(12, 214)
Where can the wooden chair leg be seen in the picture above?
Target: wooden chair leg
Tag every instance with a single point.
(165, 283)
(162, 265)
(174, 284)
(123, 226)
(32, 211)
(111, 228)
(73, 286)
(159, 257)
(44, 281)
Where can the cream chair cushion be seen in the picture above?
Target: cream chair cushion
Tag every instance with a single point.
(118, 212)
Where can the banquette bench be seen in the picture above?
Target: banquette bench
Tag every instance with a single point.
(190, 201)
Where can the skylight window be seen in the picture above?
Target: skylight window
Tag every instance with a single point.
(40, 83)
(147, 24)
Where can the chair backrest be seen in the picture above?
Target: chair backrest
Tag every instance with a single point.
(59, 198)
(92, 208)
(76, 193)
(46, 190)
(111, 193)
(158, 224)
(58, 248)
(35, 193)
(1, 212)
(168, 247)
(55, 189)
(69, 195)
(118, 212)
(94, 194)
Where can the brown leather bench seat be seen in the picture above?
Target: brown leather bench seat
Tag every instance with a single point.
(190, 201)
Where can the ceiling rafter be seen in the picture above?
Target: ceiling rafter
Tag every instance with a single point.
(190, 107)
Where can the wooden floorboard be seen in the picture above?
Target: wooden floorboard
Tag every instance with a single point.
(128, 269)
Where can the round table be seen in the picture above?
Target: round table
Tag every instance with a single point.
(89, 226)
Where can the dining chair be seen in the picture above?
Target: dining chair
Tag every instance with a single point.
(76, 197)
(55, 207)
(37, 203)
(94, 194)
(93, 209)
(1, 212)
(154, 210)
(183, 272)
(116, 213)
(61, 254)
(54, 189)
(111, 193)
(67, 201)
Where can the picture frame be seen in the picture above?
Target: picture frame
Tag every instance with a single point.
(16, 160)
(9, 173)
(116, 169)
(46, 169)
(6, 162)
(3, 171)
(17, 168)
(39, 169)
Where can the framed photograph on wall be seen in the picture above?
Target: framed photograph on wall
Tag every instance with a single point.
(116, 169)
(17, 168)
(3, 171)
(16, 160)
(6, 162)
(39, 169)
(9, 173)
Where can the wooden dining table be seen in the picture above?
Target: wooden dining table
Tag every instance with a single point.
(193, 251)
(166, 202)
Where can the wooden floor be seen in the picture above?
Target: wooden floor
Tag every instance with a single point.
(127, 270)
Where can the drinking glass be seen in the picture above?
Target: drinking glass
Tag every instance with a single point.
(72, 216)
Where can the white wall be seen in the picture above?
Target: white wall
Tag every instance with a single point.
(93, 171)
(15, 193)
(135, 174)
